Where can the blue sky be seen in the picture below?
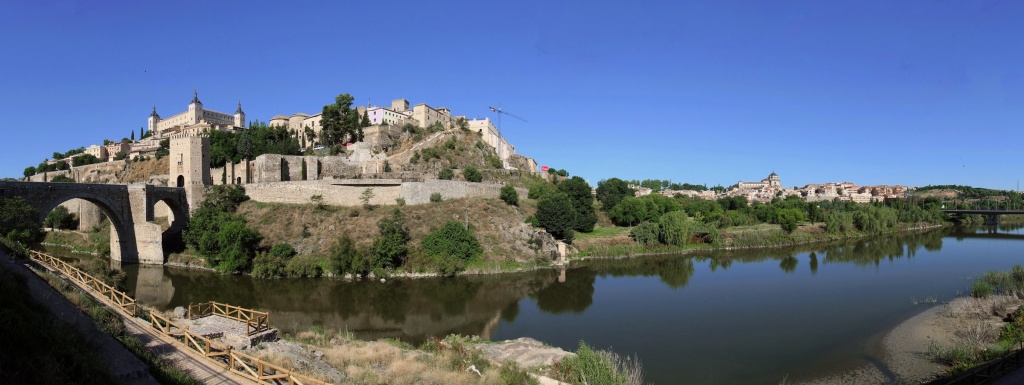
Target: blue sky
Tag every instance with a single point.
(872, 92)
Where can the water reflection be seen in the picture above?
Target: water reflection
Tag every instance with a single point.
(416, 309)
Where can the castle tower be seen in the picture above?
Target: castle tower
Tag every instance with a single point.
(239, 116)
(154, 119)
(195, 109)
(190, 167)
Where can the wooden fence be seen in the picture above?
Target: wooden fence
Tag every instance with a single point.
(255, 321)
(124, 302)
(225, 356)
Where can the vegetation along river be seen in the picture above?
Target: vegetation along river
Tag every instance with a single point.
(752, 316)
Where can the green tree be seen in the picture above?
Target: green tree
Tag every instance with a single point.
(628, 212)
(676, 229)
(345, 257)
(556, 215)
(451, 247)
(472, 174)
(611, 191)
(446, 174)
(29, 171)
(246, 148)
(340, 122)
(789, 219)
(509, 195)
(61, 218)
(62, 179)
(646, 233)
(579, 193)
(19, 221)
(390, 248)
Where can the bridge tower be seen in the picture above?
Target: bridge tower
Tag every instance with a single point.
(190, 166)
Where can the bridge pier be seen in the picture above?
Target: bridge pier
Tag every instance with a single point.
(992, 219)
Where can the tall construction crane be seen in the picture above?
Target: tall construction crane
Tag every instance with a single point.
(501, 112)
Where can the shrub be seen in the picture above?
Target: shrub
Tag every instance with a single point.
(435, 197)
(266, 265)
(446, 174)
(304, 266)
(494, 161)
(981, 289)
(400, 201)
(509, 195)
(472, 174)
(283, 251)
(789, 219)
(389, 249)
(646, 233)
(345, 258)
(450, 144)
(539, 190)
(532, 221)
(674, 228)
(61, 218)
(598, 367)
(451, 247)
(628, 212)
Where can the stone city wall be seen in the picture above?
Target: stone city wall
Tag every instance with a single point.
(347, 192)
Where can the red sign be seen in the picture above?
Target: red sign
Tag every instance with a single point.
(543, 168)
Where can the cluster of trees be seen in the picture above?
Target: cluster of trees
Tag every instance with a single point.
(257, 140)
(44, 166)
(698, 220)
(61, 218)
(447, 250)
(19, 221)
(658, 185)
(564, 208)
(220, 235)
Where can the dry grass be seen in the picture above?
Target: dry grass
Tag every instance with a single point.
(314, 231)
(383, 362)
(140, 171)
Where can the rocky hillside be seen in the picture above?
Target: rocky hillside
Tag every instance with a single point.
(315, 231)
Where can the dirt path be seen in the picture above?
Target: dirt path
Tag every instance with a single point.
(122, 364)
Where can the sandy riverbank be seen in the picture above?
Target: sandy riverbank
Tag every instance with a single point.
(905, 349)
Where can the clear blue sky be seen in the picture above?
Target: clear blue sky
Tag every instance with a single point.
(872, 92)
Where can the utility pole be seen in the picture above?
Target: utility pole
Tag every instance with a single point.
(501, 138)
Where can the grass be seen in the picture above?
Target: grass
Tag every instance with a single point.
(111, 323)
(599, 367)
(602, 232)
(39, 349)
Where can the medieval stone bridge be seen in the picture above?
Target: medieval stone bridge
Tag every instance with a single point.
(134, 238)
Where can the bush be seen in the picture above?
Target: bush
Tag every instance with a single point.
(345, 258)
(435, 197)
(400, 201)
(267, 265)
(389, 249)
(509, 195)
(789, 219)
(451, 247)
(305, 266)
(532, 221)
(646, 233)
(981, 289)
(675, 229)
(598, 367)
(61, 218)
(472, 174)
(446, 174)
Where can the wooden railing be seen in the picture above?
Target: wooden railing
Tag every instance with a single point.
(255, 321)
(124, 302)
(225, 356)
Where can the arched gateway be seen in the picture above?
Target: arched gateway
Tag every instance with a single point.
(134, 238)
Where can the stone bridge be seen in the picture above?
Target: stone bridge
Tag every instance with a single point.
(134, 238)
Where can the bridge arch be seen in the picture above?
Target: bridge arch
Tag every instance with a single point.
(133, 236)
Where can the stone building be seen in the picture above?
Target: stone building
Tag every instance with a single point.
(772, 181)
(491, 136)
(195, 114)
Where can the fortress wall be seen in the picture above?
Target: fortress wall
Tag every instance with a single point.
(347, 192)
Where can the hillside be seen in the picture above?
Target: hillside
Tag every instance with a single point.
(312, 231)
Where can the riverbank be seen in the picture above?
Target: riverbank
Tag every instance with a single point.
(908, 352)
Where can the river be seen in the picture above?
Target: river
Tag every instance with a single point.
(740, 317)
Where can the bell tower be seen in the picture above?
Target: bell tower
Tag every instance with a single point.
(195, 109)
(154, 120)
(239, 116)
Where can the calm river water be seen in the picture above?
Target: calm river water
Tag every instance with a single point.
(744, 317)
